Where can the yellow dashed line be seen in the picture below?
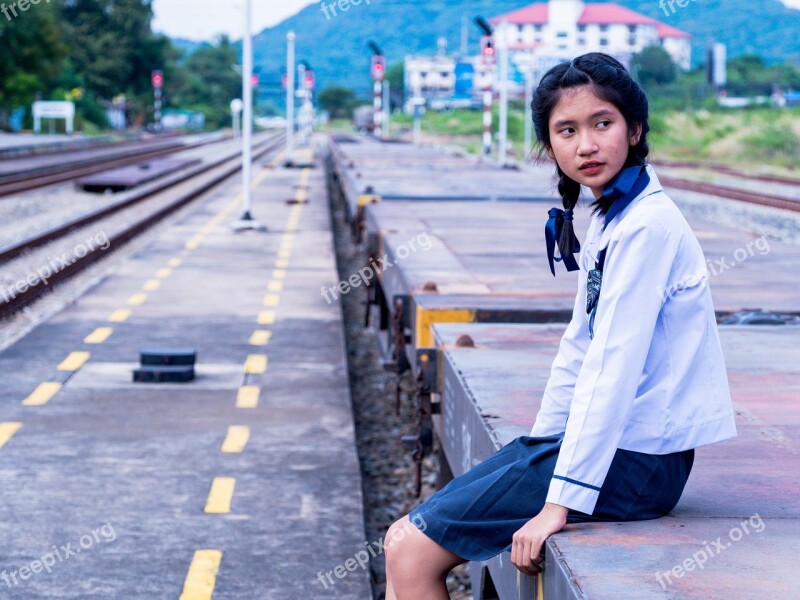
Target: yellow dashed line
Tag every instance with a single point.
(74, 361)
(271, 300)
(279, 274)
(266, 317)
(42, 394)
(163, 273)
(192, 244)
(151, 285)
(281, 263)
(137, 299)
(260, 337)
(255, 363)
(236, 439)
(248, 396)
(219, 498)
(284, 253)
(98, 336)
(202, 575)
(9, 428)
(174, 263)
(275, 286)
(121, 315)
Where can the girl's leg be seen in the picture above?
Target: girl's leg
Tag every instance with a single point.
(416, 566)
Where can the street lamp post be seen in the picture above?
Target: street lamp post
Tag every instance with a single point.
(247, 221)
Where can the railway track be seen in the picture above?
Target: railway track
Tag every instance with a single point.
(75, 263)
(729, 191)
(89, 163)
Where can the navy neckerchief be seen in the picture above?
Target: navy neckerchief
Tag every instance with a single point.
(622, 190)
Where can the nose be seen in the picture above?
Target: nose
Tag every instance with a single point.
(586, 143)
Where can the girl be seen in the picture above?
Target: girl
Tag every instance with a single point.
(639, 380)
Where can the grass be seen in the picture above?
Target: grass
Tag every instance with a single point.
(757, 137)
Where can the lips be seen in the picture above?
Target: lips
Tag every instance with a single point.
(587, 166)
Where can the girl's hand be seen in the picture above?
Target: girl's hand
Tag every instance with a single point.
(529, 540)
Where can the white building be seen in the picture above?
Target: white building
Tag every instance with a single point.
(549, 32)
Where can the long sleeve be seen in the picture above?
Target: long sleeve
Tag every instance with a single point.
(638, 266)
(552, 416)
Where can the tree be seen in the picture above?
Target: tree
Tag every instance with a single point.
(33, 52)
(654, 65)
(338, 101)
(207, 82)
(396, 78)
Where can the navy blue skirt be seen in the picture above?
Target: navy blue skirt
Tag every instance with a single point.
(476, 514)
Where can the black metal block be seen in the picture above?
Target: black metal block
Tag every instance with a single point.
(163, 374)
(168, 356)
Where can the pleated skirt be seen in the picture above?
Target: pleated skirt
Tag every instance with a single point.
(476, 514)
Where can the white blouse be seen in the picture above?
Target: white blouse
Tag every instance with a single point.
(653, 377)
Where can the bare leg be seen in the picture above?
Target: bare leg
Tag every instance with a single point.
(416, 566)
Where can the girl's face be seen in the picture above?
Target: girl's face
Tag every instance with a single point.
(589, 138)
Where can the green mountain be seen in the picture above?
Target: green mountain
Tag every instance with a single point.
(336, 46)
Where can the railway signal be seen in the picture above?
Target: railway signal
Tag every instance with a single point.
(157, 80)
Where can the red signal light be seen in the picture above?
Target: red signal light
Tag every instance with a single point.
(157, 79)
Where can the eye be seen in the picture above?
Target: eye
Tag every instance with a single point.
(566, 131)
(604, 124)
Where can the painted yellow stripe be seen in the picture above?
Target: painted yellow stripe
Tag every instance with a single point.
(137, 299)
(279, 274)
(275, 286)
(163, 273)
(248, 396)
(8, 429)
(202, 575)
(284, 253)
(119, 316)
(425, 318)
(260, 337)
(192, 244)
(368, 199)
(255, 363)
(271, 300)
(151, 285)
(98, 336)
(74, 361)
(174, 263)
(266, 317)
(219, 498)
(281, 263)
(42, 394)
(236, 439)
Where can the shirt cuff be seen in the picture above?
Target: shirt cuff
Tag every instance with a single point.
(573, 494)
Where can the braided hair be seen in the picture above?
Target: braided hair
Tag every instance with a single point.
(610, 82)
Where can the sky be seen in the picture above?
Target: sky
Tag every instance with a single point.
(203, 19)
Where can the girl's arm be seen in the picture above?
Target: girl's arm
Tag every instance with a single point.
(552, 416)
(638, 265)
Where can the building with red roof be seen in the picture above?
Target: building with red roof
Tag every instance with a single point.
(548, 32)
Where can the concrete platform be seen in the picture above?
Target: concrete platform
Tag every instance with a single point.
(733, 533)
(245, 481)
(486, 262)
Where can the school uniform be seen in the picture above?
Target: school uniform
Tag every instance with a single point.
(634, 388)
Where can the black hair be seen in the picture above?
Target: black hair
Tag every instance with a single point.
(610, 82)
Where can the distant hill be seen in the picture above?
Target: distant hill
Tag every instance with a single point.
(336, 46)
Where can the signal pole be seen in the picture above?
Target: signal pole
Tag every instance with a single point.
(488, 54)
(378, 72)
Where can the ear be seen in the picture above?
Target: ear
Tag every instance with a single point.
(635, 134)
